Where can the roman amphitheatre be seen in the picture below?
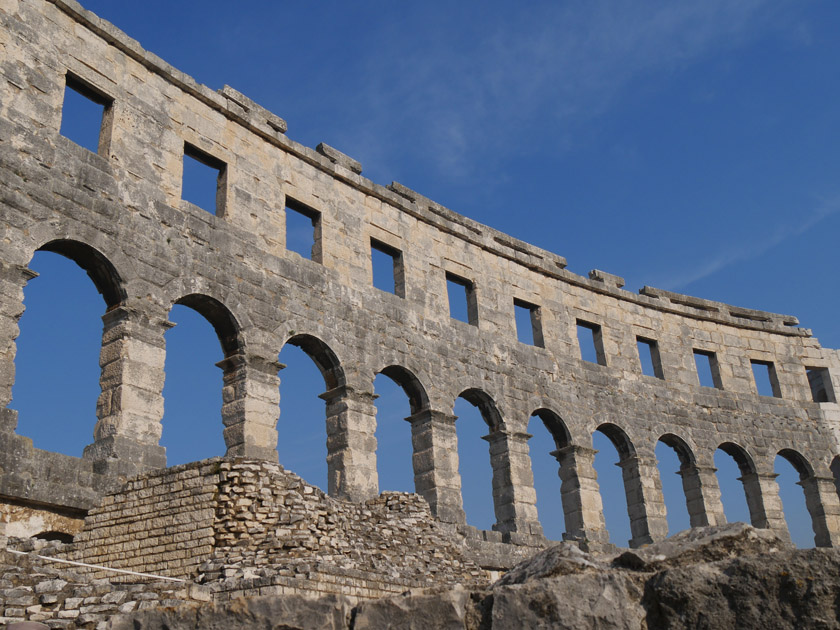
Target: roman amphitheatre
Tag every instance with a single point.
(95, 539)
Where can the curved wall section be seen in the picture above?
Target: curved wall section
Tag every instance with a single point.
(125, 203)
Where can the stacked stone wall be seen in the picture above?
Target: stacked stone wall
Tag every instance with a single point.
(34, 589)
(249, 527)
(160, 523)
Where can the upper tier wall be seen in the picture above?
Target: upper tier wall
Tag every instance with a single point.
(120, 215)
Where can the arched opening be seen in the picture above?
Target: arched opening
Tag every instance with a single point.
(613, 447)
(675, 462)
(399, 395)
(311, 368)
(835, 473)
(203, 336)
(734, 466)
(793, 469)
(57, 372)
(549, 436)
(476, 412)
(61, 537)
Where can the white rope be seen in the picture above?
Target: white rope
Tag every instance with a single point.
(96, 566)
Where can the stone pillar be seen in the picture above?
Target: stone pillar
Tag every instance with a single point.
(702, 495)
(764, 503)
(12, 280)
(250, 405)
(582, 507)
(514, 497)
(645, 502)
(435, 459)
(130, 406)
(351, 444)
(824, 507)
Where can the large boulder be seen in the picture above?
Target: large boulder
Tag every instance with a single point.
(786, 590)
(288, 612)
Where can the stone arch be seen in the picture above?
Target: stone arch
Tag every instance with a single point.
(235, 366)
(350, 424)
(418, 399)
(737, 452)
(799, 463)
(221, 318)
(393, 445)
(619, 438)
(545, 475)
(98, 267)
(110, 285)
(760, 490)
(486, 405)
(696, 483)
(820, 498)
(324, 358)
(645, 505)
(513, 498)
(555, 425)
(681, 447)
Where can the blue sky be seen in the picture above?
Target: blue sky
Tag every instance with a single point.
(683, 145)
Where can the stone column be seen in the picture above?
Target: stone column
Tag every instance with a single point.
(12, 280)
(702, 495)
(435, 459)
(250, 405)
(824, 507)
(582, 507)
(514, 497)
(130, 406)
(763, 501)
(351, 444)
(645, 502)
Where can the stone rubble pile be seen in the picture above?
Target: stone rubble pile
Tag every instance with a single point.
(274, 529)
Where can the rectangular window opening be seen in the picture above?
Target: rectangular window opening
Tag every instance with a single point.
(463, 305)
(820, 381)
(85, 115)
(649, 357)
(204, 180)
(387, 264)
(708, 370)
(591, 342)
(303, 230)
(766, 381)
(528, 323)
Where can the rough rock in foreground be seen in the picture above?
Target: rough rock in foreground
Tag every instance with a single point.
(723, 577)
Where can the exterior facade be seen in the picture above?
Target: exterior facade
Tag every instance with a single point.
(120, 215)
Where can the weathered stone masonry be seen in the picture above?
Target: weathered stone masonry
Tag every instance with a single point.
(119, 214)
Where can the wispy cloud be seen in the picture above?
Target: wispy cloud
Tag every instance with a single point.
(496, 82)
(736, 253)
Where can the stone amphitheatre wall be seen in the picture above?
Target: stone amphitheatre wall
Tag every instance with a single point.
(119, 214)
